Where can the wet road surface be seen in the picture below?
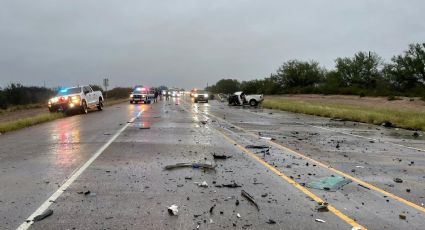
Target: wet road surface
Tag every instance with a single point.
(105, 170)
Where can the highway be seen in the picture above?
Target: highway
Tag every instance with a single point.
(106, 170)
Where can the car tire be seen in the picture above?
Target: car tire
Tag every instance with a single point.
(131, 102)
(84, 109)
(100, 105)
(206, 101)
(196, 101)
(253, 102)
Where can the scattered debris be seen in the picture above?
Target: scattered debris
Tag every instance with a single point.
(257, 147)
(237, 202)
(402, 216)
(233, 185)
(356, 228)
(415, 134)
(331, 183)
(268, 138)
(144, 127)
(173, 210)
(250, 198)
(359, 166)
(398, 180)
(322, 207)
(43, 215)
(320, 220)
(87, 192)
(203, 184)
(221, 156)
(192, 165)
(238, 215)
(212, 208)
(387, 124)
(204, 122)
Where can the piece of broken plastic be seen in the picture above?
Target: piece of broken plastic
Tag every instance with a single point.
(331, 183)
(173, 209)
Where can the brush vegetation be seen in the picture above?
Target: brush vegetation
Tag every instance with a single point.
(402, 118)
(29, 121)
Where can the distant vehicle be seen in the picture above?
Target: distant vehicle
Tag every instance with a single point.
(201, 95)
(240, 98)
(80, 99)
(141, 94)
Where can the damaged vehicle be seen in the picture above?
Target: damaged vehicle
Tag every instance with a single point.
(240, 98)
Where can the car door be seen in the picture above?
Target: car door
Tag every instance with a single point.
(89, 95)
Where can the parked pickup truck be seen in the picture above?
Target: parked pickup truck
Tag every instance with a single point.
(79, 98)
(240, 98)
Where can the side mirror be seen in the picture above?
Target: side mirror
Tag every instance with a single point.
(86, 92)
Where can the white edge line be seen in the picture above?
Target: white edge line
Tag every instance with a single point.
(26, 224)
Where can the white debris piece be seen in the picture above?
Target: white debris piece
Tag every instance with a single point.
(173, 209)
(356, 228)
(238, 215)
(320, 220)
(202, 184)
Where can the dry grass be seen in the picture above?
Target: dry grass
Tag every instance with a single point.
(40, 118)
(403, 118)
(29, 121)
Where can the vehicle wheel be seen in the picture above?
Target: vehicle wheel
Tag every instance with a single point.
(131, 102)
(253, 102)
(206, 101)
(51, 110)
(196, 101)
(100, 105)
(84, 107)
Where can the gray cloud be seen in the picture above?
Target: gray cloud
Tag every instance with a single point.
(190, 43)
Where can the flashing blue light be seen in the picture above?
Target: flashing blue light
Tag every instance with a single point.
(63, 90)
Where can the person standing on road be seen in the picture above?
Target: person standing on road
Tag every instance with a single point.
(155, 96)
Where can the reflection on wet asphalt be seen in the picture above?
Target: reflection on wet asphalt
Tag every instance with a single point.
(130, 189)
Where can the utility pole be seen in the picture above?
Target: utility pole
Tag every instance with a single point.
(106, 84)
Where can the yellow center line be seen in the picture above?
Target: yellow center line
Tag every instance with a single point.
(363, 183)
(313, 196)
(331, 208)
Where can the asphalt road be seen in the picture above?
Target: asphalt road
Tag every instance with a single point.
(105, 170)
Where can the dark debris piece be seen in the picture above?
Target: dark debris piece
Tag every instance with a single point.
(250, 198)
(43, 215)
(221, 157)
(233, 185)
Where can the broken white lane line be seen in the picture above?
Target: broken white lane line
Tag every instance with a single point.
(25, 225)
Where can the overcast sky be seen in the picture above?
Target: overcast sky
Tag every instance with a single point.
(189, 43)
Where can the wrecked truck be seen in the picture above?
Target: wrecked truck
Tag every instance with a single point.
(240, 98)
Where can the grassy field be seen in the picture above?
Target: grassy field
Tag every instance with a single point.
(408, 118)
(26, 122)
(39, 118)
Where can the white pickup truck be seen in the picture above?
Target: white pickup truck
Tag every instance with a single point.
(240, 98)
(79, 98)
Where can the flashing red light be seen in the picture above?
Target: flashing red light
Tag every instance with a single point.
(62, 99)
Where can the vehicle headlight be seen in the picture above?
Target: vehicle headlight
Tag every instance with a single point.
(195, 95)
(75, 99)
(54, 100)
(131, 95)
(206, 95)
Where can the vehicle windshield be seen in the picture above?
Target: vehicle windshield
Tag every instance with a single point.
(202, 92)
(67, 91)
